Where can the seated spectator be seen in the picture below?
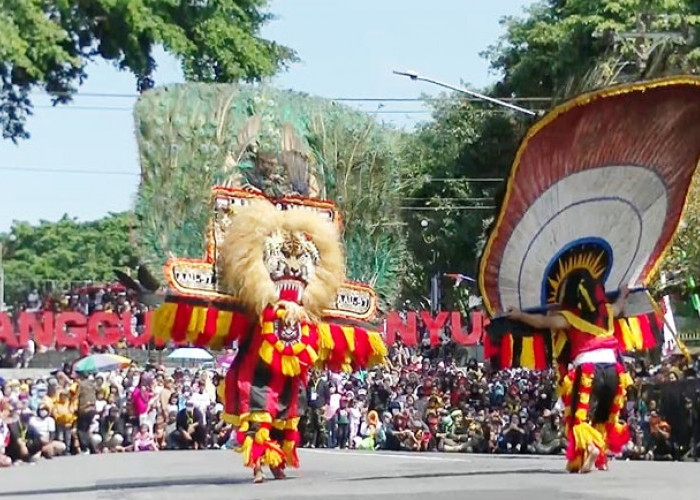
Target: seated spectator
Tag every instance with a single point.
(400, 437)
(144, 440)
(635, 449)
(5, 461)
(190, 431)
(456, 434)
(113, 430)
(660, 432)
(513, 436)
(46, 427)
(25, 442)
(550, 440)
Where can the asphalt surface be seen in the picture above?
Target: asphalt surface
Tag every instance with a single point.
(338, 474)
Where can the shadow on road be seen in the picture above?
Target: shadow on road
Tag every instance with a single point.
(126, 484)
(499, 472)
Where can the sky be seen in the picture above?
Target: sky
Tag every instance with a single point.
(82, 159)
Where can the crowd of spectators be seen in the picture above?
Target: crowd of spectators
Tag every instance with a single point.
(412, 404)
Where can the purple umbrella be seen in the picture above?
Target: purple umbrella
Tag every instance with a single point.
(226, 360)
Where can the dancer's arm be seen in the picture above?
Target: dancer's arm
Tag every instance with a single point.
(539, 321)
(619, 306)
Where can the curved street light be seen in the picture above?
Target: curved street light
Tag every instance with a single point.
(416, 77)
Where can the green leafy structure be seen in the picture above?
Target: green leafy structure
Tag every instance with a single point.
(190, 139)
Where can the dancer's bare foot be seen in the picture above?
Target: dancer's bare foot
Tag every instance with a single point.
(278, 472)
(258, 476)
(593, 453)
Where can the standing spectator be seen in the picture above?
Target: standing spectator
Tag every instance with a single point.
(86, 413)
(343, 423)
(64, 414)
(319, 396)
(143, 401)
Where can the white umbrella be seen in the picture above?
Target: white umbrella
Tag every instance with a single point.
(193, 353)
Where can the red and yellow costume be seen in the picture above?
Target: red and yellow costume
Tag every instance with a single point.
(590, 189)
(597, 376)
(276, 287)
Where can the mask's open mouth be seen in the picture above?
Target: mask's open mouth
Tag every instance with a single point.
(291, 289)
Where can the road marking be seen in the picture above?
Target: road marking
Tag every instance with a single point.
(384, 454)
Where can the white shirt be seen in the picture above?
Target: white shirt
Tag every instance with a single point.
(201, 402)
(44, 426)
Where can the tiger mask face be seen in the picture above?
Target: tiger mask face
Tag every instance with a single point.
(268, 256)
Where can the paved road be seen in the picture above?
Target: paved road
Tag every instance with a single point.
(336, 475)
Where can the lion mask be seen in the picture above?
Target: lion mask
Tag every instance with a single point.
(268, 256)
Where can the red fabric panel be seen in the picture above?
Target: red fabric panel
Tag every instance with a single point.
(239, 325)
(362, 347)
(182, 320)
(507, 351)
(620, 338)
(648, 340)
(540, 352)
(205, 337)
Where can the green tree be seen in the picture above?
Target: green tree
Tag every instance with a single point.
(47, 44)
(563, 47)
(55, 254)
(445, 208)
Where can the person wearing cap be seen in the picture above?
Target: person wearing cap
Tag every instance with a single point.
(190, 432)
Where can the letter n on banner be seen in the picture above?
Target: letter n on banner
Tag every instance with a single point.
(103, 329)
(407, 331)
(71, 329)
(7, 334)
(29, 327)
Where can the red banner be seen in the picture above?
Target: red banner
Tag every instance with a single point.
(407, 330)
(72, 329)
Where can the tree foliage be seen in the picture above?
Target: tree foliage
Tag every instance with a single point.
(56, 254)
(564, 47)
(47, 44)
(462, 143)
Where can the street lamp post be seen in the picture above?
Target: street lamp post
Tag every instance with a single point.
(435, 276)
(416, 77)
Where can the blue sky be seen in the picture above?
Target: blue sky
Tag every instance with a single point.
(347, 49)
